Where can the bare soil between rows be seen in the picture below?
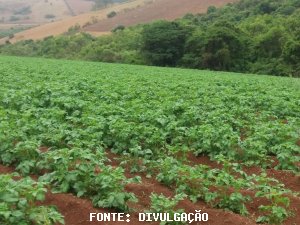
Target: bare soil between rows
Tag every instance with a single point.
(76, 210)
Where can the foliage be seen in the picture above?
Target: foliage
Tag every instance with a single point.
(118, 28)
(250, 36)
(11, 31)
(199, 181)
(111, 14)
(104, 185)
(163, 43)
(98, 4)
(276, 212)
(59, 118)
(162, 204)
(221, 47)
(18, 199)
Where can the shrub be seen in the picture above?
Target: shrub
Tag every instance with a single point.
(111, 14)
(118, 28)
(49, 16)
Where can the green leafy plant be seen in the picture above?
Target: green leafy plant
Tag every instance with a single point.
(163, 204)
(278, 209)
(18, 203)
(84, 173)
(59, 118)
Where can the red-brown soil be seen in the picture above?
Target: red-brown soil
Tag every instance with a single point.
(158, 9)
(148, 186)
(5, 169)
(76, 210)
(289, 179)
(204, 160)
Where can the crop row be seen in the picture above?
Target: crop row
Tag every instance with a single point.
(58, 118)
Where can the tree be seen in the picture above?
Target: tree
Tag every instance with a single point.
(221, 47)
(211, 9)
(163, 43)
(271, 44)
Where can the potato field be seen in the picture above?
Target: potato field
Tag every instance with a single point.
(122, 138)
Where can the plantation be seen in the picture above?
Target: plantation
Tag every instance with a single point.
(225, 143)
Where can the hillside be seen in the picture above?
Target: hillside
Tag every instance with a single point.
(61, 26)
(155, 9)
(112, 137)
(30, 13)
(246, 36)
(131, 13)
(16, 15)
(35, 11)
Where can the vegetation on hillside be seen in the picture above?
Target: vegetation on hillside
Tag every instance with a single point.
(104, 3)
(251, 36)
(9, 32)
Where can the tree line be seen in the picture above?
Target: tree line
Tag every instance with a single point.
(251, 36)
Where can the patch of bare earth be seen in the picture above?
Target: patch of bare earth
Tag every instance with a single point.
(59, 27)
(128, 14)
(80, 6)
(158, 9)
(77, 210)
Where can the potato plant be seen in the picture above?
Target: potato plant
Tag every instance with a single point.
(58, 119)
(18, 203)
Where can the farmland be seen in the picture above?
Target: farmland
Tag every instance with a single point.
(137, 138)
(129, 13)
(17, 16)
(34, 11)
(154, 10)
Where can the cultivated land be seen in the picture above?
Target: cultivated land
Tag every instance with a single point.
(156, 9)
(38, 9)
(16, 15)
(129, 14)
(113, 133)
(62, 26)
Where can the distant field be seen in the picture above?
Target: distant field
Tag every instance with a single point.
(15, 14)
(32, 11)
(11, 30)
(155, 9)
(113, 137)
(80, 6)
(128, 14)
(61, 26)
